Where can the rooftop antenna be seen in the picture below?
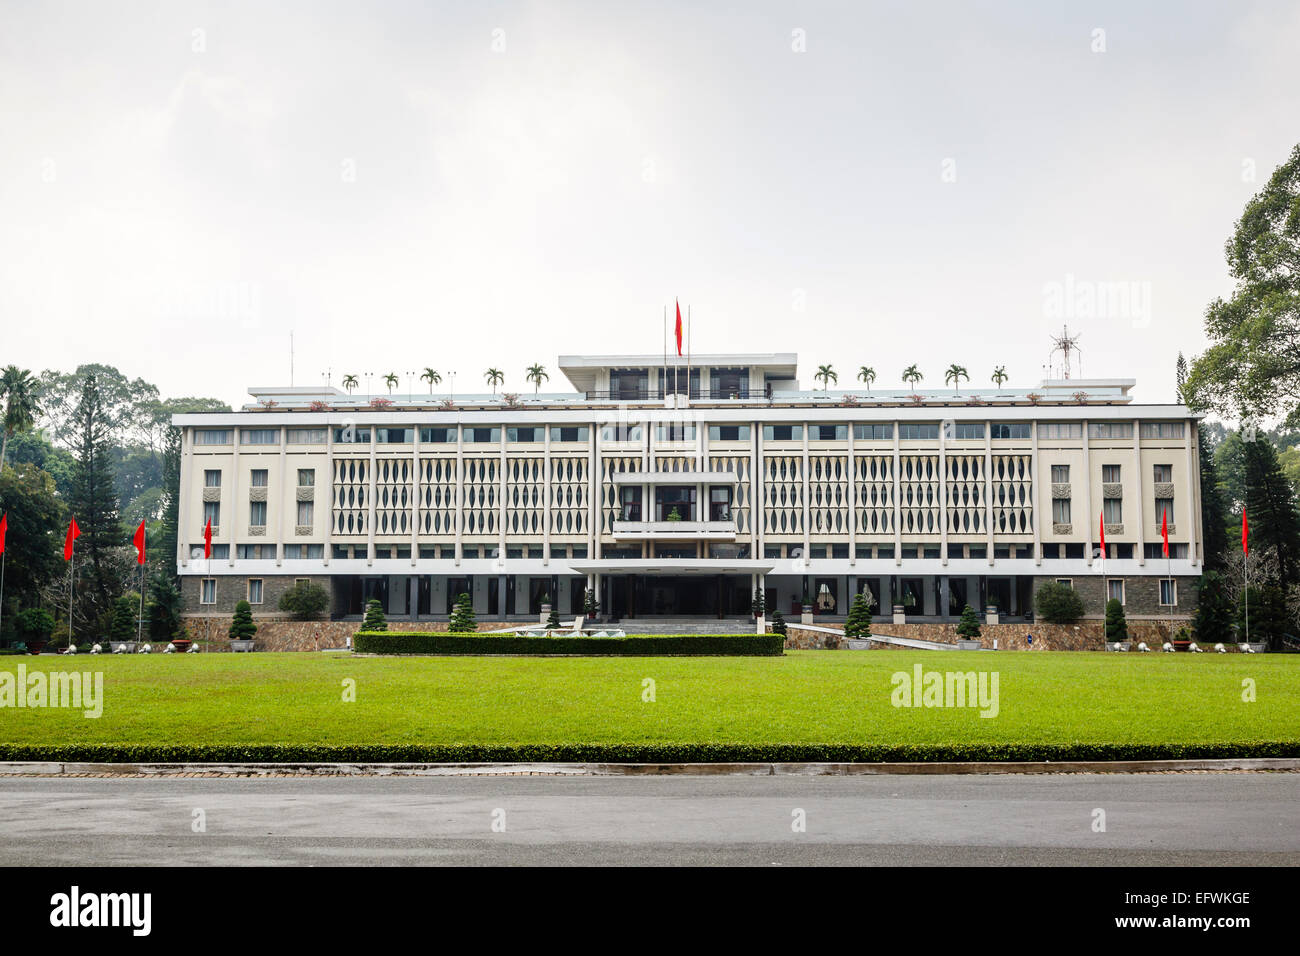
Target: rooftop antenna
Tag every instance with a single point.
(1067, 346)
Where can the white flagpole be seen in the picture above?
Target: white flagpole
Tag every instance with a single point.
(1245, 564)
(72, 563)
(139, 624)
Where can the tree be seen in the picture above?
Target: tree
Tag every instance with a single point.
(536, 374)
(391, 381)
(912, 375)
(494, 377)
(462, 616)
(858, 623)
(163, 606)
(954, 376)
(164, 553)
(94, 498)
(34, 625)
(1214, 508)
(306, 601)
(778, 623)
(590, 604)
(33, 555)
(242, 627)
(1058, 603)
(1116, 625)
(432, 377)
(128, 406)
(1214, 609)
(553, 619)
(19, 391)
(968, 627)
(827, 374)
(758, 603)
(1268, 614)
(999, 375)
(1252, 366)
(375, 620)
(350, 383)
(1270, 503)
(126, 609)
(868, 375)
(1180, 379)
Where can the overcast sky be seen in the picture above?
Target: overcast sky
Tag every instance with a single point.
(463, 185)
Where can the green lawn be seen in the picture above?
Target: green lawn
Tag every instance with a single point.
(263, 706)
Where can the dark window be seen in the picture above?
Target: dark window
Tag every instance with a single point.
(1010, 430)
(873, 432)
(437, 435)
(910, 432)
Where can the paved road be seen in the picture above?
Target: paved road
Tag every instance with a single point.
(1151, 819)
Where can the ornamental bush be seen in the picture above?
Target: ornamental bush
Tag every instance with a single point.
(1058, 603)
(969, 625)
(306, 601)
(462, 616)
(778, 622)
(1116, 625)
(858, 624)
(553, 619)
(242, 627)
(375, 620)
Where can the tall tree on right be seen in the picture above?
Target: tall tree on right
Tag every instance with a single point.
(1271, 506)
(1214, 508)
(94, 500)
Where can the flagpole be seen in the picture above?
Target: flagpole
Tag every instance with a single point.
(139, 623)
(688, 353)
(72, 564)
(2, 590)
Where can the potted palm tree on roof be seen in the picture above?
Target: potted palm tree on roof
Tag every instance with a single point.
(827, 374)
(494, 377)
(954, 377)
(912, 375)
(350, 383)
(431, 376)
(867, 374)
(999, 375)
(536, 375)
(391, 381)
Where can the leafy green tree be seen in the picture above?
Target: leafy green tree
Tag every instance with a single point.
(1214, 509)
(163, 605)
(867, 374)
(827, 374)
(19, 390)
(969, 625)
(1215, 614)
(999, 375)
(1268, 615)
(34, 624)
(537, 374)
(1116, 624)
(94, 499)
(306, 601)
(375, 620)
(242, 627)
(1058, 603)
(778, 623)
(431, 376)
(1253, 363)
(126, 610)
(954, 376)
(494, 377)
(33, 448)
(1270, 503)
(912, 375)
(858, 623)
(462, 616)
(33, 546)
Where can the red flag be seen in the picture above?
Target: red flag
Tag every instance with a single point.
(73, 533)
(1164, 529)
(207, 539)
(679, 328)
(1101, 523)
(138, 541)
(1245, 549)
(4, 528)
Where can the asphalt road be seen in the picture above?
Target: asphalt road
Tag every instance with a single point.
(1150, 819)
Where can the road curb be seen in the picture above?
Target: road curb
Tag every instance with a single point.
(56, 769)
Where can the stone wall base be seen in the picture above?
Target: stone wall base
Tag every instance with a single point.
(286, 635)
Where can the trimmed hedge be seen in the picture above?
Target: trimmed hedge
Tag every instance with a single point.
(635, 753)
(634, 645)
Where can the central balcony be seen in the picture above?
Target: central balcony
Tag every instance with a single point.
(677, 530)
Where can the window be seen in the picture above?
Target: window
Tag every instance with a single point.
(1110, 474)
(483, 435)
(1110, 429)
(305, 514)
(828, 432)
(1074, 552)
(220, 552)
(1164, 510)
(578, 551)
(255, 552)
(211, 513)
(885, 552)
(1051, 551)
(257, 478)
(306, 477)
(1068, 582)
(1010, 430)
(1113, 510)
(623, 431)
(437, 436)
(208, 594)
(963, 431)
(719, 503)
(257, 514)
(728, 433)
(212, 436)
(254, 590)
(630, 499)
(909, 432)
(771, 551)
(1163, 473)
(525, 434)
(873, 432)
(1060, 474)
(1161, 430)
(1060, 510)
(1155, 551)
(297, 552)
(211, 478)
(394, 436)
(1168, 592)
(350, 435)
(259, 436)
(1115, 590)
(1060, 430)
(675, 503)
(306, 436)
(568, 433)
(675, 431)
(782, 433)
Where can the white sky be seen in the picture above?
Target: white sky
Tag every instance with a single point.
(177, 212)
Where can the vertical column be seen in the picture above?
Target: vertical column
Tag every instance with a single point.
(807, 513)
(460, 493)
(757, 487)
(546, 504)
(1194, 492)
(415, 499)
(898, 504)
(1141, 545)
(183, 495)
(233, 517)
(287, 489)
(501, 504)
(372, 484)
(594, 494)
(1087, 498)
(943, 494)
(988, 490)
(853, 500)
(328, 493)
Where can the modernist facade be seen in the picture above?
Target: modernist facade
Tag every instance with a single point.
(680, 491)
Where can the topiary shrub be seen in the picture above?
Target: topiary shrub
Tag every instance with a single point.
(123, 620)
(1116, 625)
(969, 625)
(1058, 603)
(553, 620)
(242, 627)
(858, 624)
(758, 604)
(778, 623)
(462, 616)
(306, 601)
(375, 620)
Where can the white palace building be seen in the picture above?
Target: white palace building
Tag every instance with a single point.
(677, 492)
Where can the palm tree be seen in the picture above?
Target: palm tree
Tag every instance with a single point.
(1000, 375)
(431, 376)
(390, 380)
(535, 375)
(21, 406)
(954, 375)
(494, 377)
(826, 374)
(350, 382)
(912, 374)
(868, 375)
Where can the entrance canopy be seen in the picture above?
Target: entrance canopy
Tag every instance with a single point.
(677, 566)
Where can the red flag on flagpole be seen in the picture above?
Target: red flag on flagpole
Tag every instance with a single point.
(4, 528)
(207, 539)
(73, 533)
(1101, 524)
(1164, 530)
(679, 328)
(1245, 547)
(138, 541)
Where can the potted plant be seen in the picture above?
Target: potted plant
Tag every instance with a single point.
(991, 609)
(546, 609)
(758, 604)
(1182, 639)
(805, 609)
(968, 630)
(1116, 627)
(34, 626)
(590, 606)
(242, 628)
(674, 515)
